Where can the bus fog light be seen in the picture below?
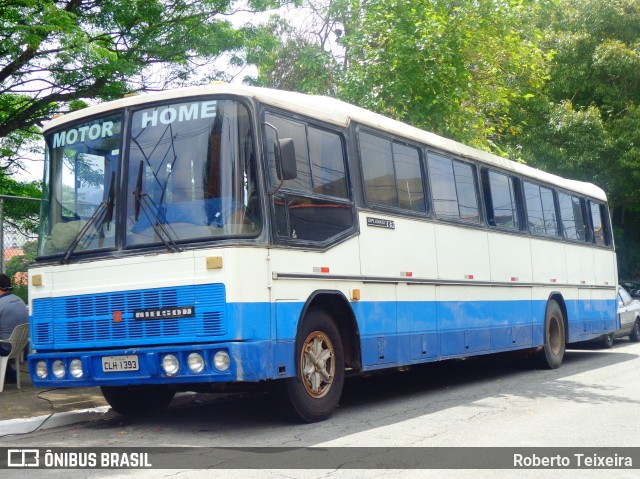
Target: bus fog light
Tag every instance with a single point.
(221, 361)
(196, 362)
(75, 368)
(171, 365)
(58, 369)
(41, 370)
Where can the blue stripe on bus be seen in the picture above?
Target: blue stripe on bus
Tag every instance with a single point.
(391, 333)
(408, 332)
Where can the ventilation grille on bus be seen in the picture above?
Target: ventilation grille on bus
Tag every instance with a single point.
(89, 319)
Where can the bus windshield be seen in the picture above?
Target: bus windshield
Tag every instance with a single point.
(80, 170)
(186, 174)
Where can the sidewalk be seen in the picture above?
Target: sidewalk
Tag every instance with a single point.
(25, 409)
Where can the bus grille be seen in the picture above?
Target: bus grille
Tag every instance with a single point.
(88, 320)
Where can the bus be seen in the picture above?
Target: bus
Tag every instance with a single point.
(222, 236)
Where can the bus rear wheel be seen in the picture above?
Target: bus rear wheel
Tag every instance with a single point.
(314, 392)
(137, 400)
(606, 340)
(554, 338)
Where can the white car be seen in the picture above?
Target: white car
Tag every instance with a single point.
(629, 312)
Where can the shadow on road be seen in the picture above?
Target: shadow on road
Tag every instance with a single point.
(385, 399)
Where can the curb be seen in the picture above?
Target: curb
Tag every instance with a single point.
(31, 424)
(28, 425)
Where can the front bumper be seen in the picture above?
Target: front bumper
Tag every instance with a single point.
(249, 361)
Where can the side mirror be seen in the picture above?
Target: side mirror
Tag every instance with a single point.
(287, 164)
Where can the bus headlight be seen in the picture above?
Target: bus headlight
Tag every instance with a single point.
(221, 361)
(196, 362)
(41, 370)
(75, 368)
(171, 365)
(58, 369)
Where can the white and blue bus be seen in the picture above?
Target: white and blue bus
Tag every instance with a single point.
(223, 235)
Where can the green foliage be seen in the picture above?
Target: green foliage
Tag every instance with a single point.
(586, 123)
(55, 55)
(554, 84)
(294, 58)
(450, 67)
(9, 186)
(597, 47)
(20, 264)
(289, 59)
(21, 214)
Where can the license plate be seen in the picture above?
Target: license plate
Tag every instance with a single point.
(112, 364)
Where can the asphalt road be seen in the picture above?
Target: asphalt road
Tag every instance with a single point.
(593, 400)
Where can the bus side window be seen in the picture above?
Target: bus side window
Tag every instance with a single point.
(500, 199)
(377, 169)
(392, 173)
(541, 210)
(453, 189)
(299, 213)
(327, 163)
(409, 178)
(571, 217)
(295, 130)
(598, 222)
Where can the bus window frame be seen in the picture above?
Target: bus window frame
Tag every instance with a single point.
(284, 191)
(554, 237)
(482, 217)
(588, 230)
(523, 224)
(420, 148)
(606, 224)
(192, 243)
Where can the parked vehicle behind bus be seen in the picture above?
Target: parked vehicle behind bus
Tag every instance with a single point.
(225, 235)
(629, 314)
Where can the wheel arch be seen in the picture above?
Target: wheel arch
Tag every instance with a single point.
(335, 304)
(558, 298)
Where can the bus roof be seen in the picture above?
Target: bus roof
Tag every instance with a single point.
(339, 113)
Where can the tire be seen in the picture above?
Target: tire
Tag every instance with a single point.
(137, 400)
(554, 338)
(635, 332)
(313, 393)
(606, 340)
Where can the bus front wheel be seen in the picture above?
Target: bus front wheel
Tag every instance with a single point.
(315, 390)
(552, 353)
(137, 400)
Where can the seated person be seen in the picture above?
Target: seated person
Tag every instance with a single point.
(13, 312)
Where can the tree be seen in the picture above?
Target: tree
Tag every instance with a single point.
(16, 268)
(55, 55)
(450, 67)
(304, 56)
(586, 122)
(447, 66)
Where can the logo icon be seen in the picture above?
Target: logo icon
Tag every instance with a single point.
(23, 458)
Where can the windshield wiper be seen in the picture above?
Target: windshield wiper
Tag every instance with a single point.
(105, 207)
(148, 208)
